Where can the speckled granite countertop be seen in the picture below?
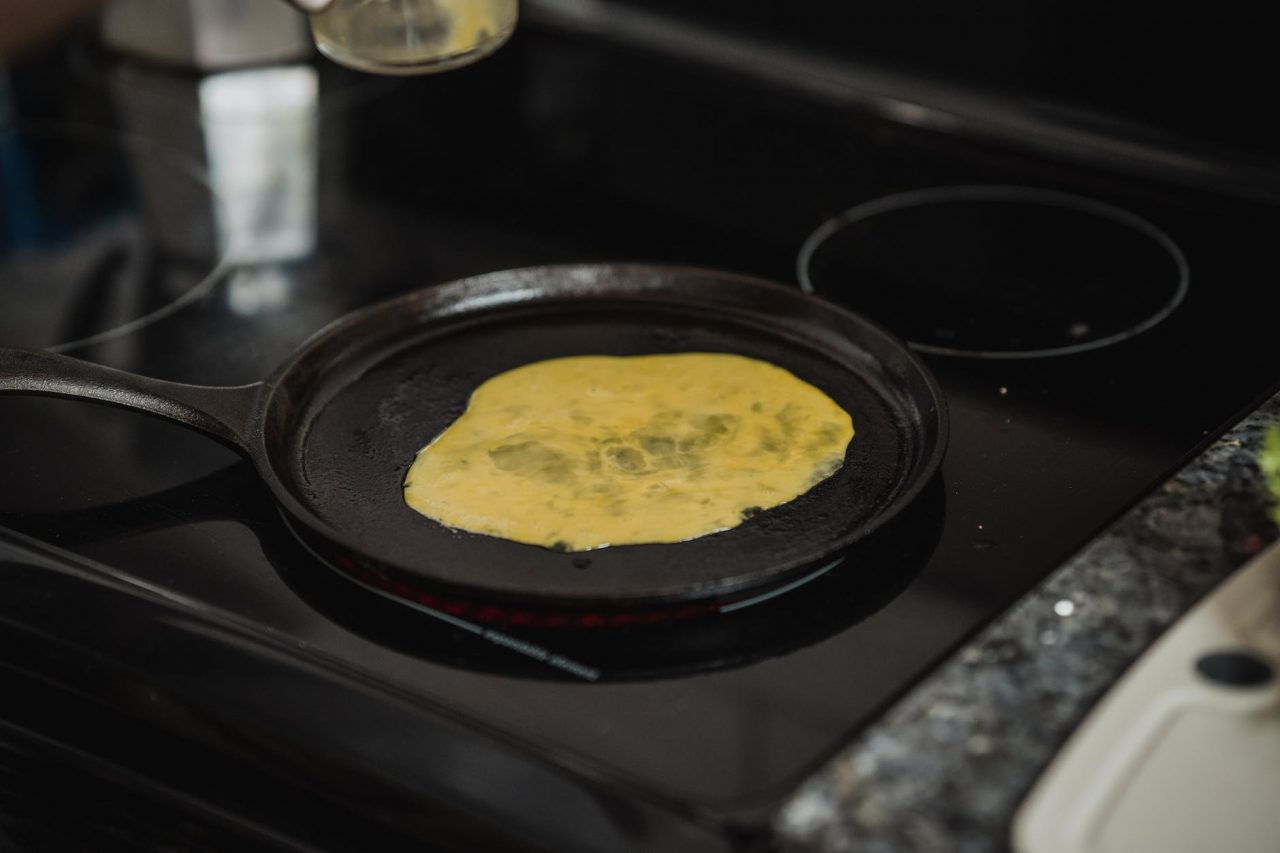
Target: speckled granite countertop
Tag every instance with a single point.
(948, 766)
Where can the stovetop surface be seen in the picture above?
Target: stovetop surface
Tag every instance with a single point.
(331, 191)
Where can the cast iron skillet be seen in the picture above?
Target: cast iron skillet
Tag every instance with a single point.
(333, 430)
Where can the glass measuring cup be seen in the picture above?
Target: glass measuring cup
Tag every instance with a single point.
(412, 36)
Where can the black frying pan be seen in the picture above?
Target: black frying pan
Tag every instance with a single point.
(334, 429)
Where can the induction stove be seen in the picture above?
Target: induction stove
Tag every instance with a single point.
(175, 645)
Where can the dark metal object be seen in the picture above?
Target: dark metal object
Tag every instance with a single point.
(334, 429)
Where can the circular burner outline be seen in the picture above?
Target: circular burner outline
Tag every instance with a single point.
(111, 137)
(1006, 193)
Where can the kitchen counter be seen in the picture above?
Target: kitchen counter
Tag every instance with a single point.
(948, 766)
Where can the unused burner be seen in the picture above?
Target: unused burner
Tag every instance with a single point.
(99, 236)
(997, 272)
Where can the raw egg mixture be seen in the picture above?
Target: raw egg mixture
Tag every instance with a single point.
(590, 451)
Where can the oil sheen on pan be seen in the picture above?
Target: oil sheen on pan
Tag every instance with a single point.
(586, 452)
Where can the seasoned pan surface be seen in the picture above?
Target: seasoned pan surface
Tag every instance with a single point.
(344, 419)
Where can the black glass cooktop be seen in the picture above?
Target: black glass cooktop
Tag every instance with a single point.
(1090, 332)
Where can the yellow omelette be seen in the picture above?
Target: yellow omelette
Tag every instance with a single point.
(589, 451)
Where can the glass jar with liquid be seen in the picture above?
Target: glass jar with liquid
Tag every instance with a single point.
(412, 36)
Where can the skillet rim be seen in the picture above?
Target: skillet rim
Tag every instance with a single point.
(659, 280)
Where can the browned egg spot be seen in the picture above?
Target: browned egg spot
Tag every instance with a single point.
(589, 451)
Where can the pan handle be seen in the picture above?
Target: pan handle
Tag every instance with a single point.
(222, 413)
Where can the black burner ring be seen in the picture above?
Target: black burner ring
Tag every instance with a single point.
(997, 271)
(101, 235)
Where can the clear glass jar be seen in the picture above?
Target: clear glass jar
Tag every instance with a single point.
(412, 36)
